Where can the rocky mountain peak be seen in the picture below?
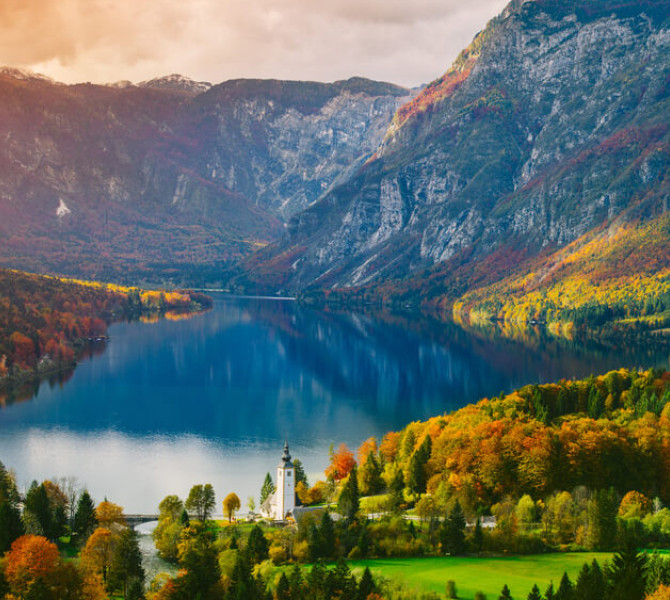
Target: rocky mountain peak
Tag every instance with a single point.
(178, 83)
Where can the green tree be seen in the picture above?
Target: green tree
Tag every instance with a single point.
(327, 534)
(201, 501)
(566, 591)
(417, 477)
(370, 475)
(535, 593)
(283, 588)
(366, 585)
(348, 502)
(257, 546)
(453, 531)
(300, 475)
(38, 517)
(627, 574)
(126, 564)
(85, 520)
(505, 594)
(267, 489)
(198, 557)
(11, 526)
(591, 584)
(602, 514)
(171, 524)
(451, 591)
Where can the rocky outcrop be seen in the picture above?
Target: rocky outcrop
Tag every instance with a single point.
(553, 122)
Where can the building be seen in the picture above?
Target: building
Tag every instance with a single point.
(280, 505)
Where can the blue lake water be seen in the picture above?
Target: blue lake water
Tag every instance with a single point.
(212, 398)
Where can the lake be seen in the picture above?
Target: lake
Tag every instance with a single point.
(211, 399)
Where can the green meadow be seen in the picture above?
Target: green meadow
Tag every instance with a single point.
(487, 575)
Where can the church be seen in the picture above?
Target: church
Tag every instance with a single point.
(281, 504)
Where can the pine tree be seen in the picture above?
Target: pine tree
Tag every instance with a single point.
(327, 535)
(257, 546)
(295, 582)
(627, 574)
(85, 520)
(11, 526)
(417, 467)
(478, 536)
(549, 593)
(283, 588)
(505, 594)
(566, 590)
(348, 502)
(535, 593)
(300, 475)
(366, 585)
(267, 489)
(126, 564)
(453, 531)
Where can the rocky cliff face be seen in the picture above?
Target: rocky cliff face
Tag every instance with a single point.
(553, 122)
(171, 178)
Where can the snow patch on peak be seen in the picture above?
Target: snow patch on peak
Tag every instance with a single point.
(62, 209)
(177, 82)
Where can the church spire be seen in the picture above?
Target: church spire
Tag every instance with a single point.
(286, 457)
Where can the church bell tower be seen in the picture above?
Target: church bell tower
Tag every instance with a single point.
(285, 496)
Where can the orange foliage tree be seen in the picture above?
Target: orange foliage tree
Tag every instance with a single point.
(30, 558)
(341, 463)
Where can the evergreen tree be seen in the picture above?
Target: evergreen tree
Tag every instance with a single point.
(200, 560)
(348, 502)
(370, 475)
(566, 590)
(602, 514)
(417, 477)
(11, 526)
(295, 582)
(627, 574)
(300, 475)
(366, 585)
(364, 539)
(535, 593)
(590, 584)
(396, 492)
(327, 535)
(283, 588)
(126, 564)
(453, 531)
(37, 512)
(505, 594)
(85, 520)
(135, 590)
(549, 593)
(478, 536)
(257, 546)
(267, 489)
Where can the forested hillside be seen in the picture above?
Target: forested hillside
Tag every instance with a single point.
(46, 321)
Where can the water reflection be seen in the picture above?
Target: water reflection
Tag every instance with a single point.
(211, 398)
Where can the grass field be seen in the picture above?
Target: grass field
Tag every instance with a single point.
(487, 575)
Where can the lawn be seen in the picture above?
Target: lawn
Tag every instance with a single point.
(482, 574)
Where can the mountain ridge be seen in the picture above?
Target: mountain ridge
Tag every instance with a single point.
(552, 123)
(151, 182)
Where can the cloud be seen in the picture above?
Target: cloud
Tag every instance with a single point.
(104, 40)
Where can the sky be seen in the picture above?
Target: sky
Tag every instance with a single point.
(408, 42)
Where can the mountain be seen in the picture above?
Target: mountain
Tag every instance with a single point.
(550, 128)
(170, 179)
